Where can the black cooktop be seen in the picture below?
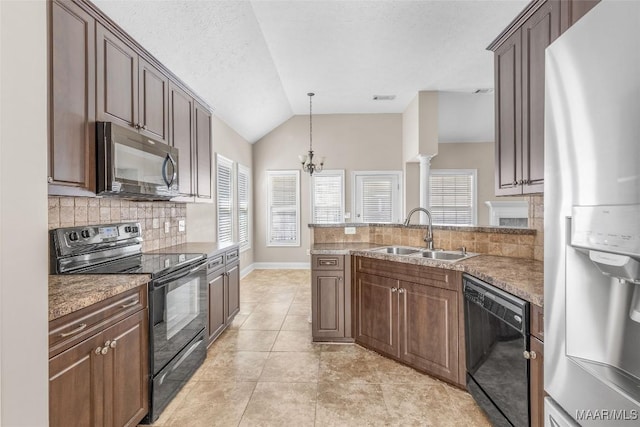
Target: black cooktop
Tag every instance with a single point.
(154, 264)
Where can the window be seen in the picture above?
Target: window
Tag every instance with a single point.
(453, 196)
(377, 197)
(224, 186)
(283, 193)
(327, 197)
(244, 178)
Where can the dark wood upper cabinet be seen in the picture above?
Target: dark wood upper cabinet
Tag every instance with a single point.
(538, 32)
(519, 83)
(72, 97)
(153, 95)
(508, 99)
(131, 91)
(181, 106)
(117, 80)
(203, 151)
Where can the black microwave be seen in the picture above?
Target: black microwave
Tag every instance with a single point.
(134, 166)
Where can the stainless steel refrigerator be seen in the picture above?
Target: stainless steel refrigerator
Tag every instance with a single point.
(592, 220)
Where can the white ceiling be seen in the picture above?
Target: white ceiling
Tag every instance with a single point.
(254, 62)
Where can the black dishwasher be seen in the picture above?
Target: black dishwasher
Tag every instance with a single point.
(496, 337)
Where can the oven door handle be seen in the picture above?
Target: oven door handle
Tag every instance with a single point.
(177, 276)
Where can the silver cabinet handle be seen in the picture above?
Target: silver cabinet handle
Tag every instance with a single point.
(394, 290)
(401, 290)
(529, 355)
(49, 179)
(98, 350)
(130, 304)
(113, 344)
(80, 327)
(105, 350)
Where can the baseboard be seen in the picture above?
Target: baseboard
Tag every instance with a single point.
(248, 269)
(281, 265)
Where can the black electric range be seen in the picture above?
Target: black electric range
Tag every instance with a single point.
(177, 297)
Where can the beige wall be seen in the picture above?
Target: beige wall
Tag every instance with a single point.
(420, 127)
(472, 155)
(201, 217)
(349, 141)
(23, 214)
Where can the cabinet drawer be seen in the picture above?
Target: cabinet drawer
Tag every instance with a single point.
(327, 262)
(537, 322)
(77, 326)
(431, 276)
(215, 263)
(232, 256)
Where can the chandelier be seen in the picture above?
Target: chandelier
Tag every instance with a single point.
(307, 159)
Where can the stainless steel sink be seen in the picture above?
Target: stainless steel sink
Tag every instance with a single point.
(446, 255)
(398, 250)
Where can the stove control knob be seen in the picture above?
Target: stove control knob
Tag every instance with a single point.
(127, 229)
(134, 229)
(85, 234)
(73, 236)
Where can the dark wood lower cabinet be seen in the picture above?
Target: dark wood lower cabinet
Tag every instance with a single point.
(217, 318)
(415, 323)
(331, 298)
(224, 291)
(429, 329)
(377, 313)
(536, 382)
(103, 380)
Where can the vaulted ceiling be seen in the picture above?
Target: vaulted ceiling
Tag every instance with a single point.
(255, 61)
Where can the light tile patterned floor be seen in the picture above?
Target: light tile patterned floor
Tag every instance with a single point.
(264, 371)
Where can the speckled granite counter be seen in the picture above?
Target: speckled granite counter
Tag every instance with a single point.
(72, 292)
(209, 248)
(521, 277)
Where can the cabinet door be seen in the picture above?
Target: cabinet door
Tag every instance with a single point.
(181, 125)
(72, 96)
(217, 315)
(233, 292)
(127, 371)
(429, 329)
(76, 386)
(327, 304)
(117, 80)
(536, 382)
(153, 93)
(203, 151)
(538, 32)
(377, 313)
(508, 148)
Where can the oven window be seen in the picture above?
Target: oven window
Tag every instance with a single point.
(182, 307)
(137, 166)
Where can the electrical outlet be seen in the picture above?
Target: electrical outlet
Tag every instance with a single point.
(308, 251)
(167, 226)
(349, 230)
(347, 215)
(156, 223)
(181, 225)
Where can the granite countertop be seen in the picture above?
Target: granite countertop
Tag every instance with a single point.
(209, 248)
(72, 292)
(523, 278)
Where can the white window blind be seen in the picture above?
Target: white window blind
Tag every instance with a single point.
(327, 197)
(377, 197)
(244, 178)
(224, 185)
(453, 196)
(284, 208)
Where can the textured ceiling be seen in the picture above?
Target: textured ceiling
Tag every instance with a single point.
(254, 62)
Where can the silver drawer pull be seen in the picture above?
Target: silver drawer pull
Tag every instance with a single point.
(131, 304)
(328, 262)
(80, 327)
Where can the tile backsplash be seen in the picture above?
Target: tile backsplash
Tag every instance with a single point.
(78, 211)
(536, 221)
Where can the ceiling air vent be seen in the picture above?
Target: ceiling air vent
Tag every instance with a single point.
(384, 97)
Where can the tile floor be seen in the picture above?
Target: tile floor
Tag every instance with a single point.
(265, 371)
